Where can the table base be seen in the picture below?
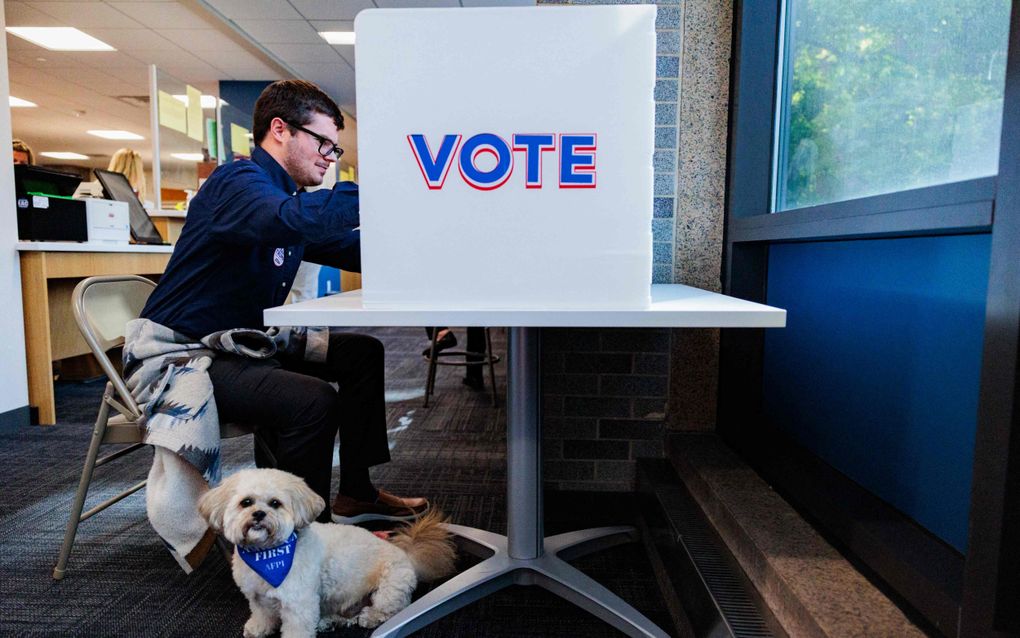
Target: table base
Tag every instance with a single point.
(549, 571)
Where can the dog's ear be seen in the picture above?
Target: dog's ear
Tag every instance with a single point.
(305, 503)
(213, 504)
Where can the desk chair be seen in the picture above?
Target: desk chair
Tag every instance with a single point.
(102, 307)
(435, 359)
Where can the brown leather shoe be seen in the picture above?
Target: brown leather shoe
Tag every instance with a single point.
(386, 507)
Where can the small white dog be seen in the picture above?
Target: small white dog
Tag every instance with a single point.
(331, 574)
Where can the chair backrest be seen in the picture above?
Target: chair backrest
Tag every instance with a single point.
(102, 307)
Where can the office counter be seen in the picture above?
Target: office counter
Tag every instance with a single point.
(49, 273)
(169, 223)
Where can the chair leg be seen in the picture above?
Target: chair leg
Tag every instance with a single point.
(83, 489)
(430, 382)
(492, 367)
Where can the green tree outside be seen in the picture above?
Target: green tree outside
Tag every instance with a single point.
(889, 95)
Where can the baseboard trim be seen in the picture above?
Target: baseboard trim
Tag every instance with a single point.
(12, 420)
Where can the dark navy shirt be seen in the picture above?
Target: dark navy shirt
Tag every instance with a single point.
(247, 230)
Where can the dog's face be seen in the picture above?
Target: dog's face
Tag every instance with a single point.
(260, 508)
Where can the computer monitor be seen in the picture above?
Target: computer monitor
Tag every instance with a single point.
(29, 178)
(117, 187)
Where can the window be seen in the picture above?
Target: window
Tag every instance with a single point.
(878, 96)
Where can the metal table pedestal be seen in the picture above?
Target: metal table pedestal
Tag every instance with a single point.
(524, 556)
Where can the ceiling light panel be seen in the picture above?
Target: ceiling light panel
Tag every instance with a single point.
(115, 135)
(338, 37)
(60, 38)
(64, 155)
(208, 101)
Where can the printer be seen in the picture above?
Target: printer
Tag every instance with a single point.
(47, 212)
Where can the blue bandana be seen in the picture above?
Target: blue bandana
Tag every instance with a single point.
(272, 564)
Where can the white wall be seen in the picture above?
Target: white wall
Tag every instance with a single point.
(13, 379)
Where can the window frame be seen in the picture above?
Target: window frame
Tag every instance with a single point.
(974, 596)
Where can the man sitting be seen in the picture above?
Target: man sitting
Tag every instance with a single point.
(247, 230)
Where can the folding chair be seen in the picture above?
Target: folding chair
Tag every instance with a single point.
(102, 307)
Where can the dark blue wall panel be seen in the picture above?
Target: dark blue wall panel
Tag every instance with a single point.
(240, 96)
(878, 369)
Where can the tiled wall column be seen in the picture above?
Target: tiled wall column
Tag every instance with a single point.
(609, 394)
(701, 187)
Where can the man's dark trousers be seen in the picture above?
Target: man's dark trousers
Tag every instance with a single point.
(298, 414)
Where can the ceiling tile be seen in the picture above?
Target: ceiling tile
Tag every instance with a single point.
(166, 57)
(256, 9)
(97, 14)
(112, 87)
(204, 40)
(332, 25)
(331, 9)
(130, 40)
(164, 14)
(255, 76)
(336, 77)
(415, 4)
(81, 75)
(247, 69)
(347, 53)
(294, 53)
(113, 60)
(498, 3)
(20, 14)
(41, 58)
(280, 31)
(192, 74)
(137, 76)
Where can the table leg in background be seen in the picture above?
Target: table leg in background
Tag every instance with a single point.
(38, 348)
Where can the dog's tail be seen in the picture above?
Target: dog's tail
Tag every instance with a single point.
(429, 546)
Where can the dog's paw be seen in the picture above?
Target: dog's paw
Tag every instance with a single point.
(258, 628)
(370, 617)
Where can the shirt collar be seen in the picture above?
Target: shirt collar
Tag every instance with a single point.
(276, 173)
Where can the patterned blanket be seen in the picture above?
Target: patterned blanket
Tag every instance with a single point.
(166, 374)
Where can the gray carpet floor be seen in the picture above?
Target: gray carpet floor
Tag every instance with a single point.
(121, 582)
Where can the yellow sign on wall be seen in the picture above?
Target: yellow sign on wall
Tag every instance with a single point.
(196, 126)
(172, 113)
(239, 141)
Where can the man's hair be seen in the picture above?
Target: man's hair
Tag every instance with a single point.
(292, 101)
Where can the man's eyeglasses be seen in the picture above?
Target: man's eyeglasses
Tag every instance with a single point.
(326, 146)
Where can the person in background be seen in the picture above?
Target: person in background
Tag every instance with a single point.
(129, 163)
(22, 152)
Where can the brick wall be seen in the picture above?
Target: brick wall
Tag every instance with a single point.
(604, 402)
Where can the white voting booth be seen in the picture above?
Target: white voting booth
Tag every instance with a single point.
(505, 156)
(506, 180)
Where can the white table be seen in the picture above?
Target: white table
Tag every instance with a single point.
(525, 556)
